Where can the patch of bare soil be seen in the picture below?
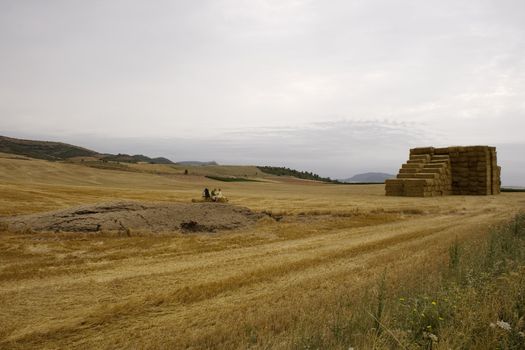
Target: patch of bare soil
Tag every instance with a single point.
(129, 216)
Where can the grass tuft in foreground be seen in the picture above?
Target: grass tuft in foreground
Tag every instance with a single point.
(476, 300)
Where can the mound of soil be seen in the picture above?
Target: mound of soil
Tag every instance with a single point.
(129, 216)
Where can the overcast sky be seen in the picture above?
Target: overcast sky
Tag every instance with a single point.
(335, 87)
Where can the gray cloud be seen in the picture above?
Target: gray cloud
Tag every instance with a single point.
(249, 75)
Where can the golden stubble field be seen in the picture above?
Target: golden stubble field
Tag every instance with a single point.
(251, 287)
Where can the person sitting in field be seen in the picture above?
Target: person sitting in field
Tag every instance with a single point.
(214, 194)
(206, 194)
(218, 195)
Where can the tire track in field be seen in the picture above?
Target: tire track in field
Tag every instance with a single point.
(208, 291)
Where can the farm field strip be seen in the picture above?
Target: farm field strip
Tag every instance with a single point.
(286, 265)
(183, 291)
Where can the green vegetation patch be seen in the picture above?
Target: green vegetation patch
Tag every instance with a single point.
(336, 182)
(231, 179)
(105, 165)
(511, 189)
(126, 158)
(283, 171)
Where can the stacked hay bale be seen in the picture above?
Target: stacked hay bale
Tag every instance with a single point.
(475, 169)
(395, 187)
(423, 175)
(432, 171)
(440, 166)
(406, 183)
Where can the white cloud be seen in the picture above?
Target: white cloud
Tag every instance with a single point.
(177, 69)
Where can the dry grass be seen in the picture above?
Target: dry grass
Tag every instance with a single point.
(248, 288)
(472, 300)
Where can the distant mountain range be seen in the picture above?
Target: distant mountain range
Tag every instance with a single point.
(137, 158)
(43, 149)
(56, 151)
(369, 177)
(59, 151)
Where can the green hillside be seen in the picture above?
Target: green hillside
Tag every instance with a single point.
(137, 158)
(56, 151)
(43, 149)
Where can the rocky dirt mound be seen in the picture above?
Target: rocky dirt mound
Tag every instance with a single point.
(129, 216)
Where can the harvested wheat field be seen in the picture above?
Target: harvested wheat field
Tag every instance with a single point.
(262, 266)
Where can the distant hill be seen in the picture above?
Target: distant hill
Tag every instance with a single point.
(369, 177)
(196, 163)
(43, 149)
(282, 171)
(137, 158)
(56, 151)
